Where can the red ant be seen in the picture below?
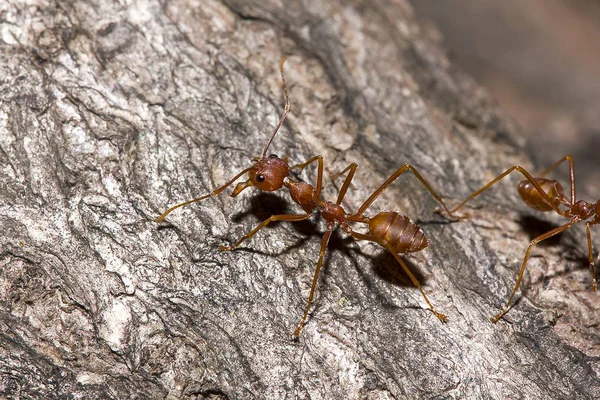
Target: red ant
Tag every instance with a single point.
(547, 195)
(394, 231)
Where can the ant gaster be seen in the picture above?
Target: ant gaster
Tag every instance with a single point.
(393, 231)
(547, 195)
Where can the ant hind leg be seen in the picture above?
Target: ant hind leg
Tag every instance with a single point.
(415, 281)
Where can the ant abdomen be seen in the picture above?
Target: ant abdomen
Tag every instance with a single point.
(532, 197)
(397, 232)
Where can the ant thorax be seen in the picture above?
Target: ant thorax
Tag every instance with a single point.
(302, 193)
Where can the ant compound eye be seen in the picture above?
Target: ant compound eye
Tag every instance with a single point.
(273, 156)
(260, 178)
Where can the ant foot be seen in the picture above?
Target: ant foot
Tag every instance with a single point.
(297, 331)
(441, 317)
(497, 317)
(225, 248)
(456, 217)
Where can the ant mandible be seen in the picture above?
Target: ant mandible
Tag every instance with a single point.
(547, 195)
(395, 232)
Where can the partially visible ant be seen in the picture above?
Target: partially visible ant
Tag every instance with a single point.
(547, 195)
(393, 231)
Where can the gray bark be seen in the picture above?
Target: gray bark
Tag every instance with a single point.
(111, 113)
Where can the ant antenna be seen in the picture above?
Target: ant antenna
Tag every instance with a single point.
(287, 107)
(211, 194)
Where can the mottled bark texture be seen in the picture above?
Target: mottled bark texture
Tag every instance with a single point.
(110, 112)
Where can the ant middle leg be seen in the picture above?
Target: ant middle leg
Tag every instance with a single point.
(324, 243)
(352, 168)
(273, 218)
(415, 281)
(535, 241)
(590, 252)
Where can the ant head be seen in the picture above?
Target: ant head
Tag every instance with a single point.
(268, 174)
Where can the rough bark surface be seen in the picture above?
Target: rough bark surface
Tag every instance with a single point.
(110, 112)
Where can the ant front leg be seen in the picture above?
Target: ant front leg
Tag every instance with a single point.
(568, 158)
(535, 241)
(281, 217)
(303, 165)
(211, 194)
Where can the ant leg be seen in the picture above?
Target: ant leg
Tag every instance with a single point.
(571, 173)
(527, 175)
(324, 243)
(535, 241)
(273, 218)
(591, 255)
(352, 168)
(392, 178)
(211, 194)
(303, 165)
(415, 281)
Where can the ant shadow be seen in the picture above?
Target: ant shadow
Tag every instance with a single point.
(387, 268)
(167, 225)
(265, 205)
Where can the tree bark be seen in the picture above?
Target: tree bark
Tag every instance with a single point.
(110, 113)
